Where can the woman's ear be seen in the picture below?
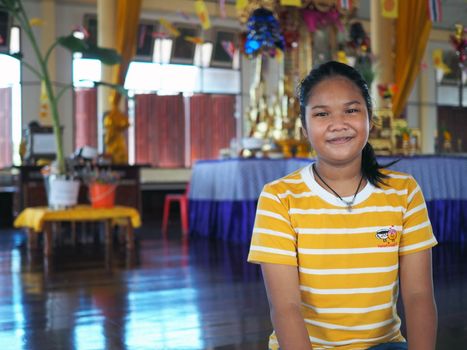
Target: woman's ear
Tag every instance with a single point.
(304, 132)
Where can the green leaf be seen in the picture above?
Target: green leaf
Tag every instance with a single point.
(73, 44)
(11, 5)
(106, 56)
(116, 87)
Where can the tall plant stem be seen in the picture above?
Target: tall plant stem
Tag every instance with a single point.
(23, 18)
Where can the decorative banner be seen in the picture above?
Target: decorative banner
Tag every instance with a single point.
(170, 27)
(437, 57)
(203, 14)
(241, 4)
(229, 48)
(389, 8)
(434, 10)
(222, 10)
(194, 39)
(296, 3)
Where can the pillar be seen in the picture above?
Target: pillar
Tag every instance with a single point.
(382, 35)
(106, 27)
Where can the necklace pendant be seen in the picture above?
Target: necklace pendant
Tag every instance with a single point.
(349, 207)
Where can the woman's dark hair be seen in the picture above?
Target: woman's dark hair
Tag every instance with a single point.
(370, 166)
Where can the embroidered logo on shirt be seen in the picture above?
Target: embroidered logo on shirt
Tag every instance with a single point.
(388, 236)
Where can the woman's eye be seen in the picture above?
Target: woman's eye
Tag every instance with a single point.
(320, 114)
(352, 110)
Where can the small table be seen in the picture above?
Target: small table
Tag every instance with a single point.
(39, 219)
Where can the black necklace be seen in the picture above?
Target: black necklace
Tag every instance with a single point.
(348, 203)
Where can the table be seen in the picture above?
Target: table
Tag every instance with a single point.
(223, 193)
(39, 219)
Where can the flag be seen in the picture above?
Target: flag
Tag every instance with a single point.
(169, 27)
(229, 48)
(434, 10)
(296, 3)
(345, 4)
(389, 8)
(203, 14)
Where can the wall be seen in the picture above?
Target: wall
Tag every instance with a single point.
(69, 13)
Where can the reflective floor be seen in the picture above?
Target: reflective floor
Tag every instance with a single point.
(173, 294)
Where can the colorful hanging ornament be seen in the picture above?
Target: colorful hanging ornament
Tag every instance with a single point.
(459, 42)
(203, 14)
(169, 27)
(264, 34)
(315, 19)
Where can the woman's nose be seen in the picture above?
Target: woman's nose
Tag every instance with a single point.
(338, 122)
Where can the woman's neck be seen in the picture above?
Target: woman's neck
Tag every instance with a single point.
(342, 178)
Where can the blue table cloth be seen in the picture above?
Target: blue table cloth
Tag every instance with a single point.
(224, 193)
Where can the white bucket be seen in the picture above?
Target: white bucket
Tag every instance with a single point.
(62, 192)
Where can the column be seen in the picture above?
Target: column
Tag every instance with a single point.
(382, 37)
(106, 19)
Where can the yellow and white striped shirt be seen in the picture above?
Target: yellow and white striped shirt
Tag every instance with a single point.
(348, 262)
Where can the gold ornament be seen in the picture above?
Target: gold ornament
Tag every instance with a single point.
(115, 124)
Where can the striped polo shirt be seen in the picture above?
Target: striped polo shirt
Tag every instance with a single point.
(348, 262)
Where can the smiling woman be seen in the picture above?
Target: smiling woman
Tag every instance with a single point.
(333, 237)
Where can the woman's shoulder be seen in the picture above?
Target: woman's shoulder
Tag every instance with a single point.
(289, 182)
(397, 179)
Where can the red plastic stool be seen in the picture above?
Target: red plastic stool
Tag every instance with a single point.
(182, 199)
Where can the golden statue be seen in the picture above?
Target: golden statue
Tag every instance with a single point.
(115, 124)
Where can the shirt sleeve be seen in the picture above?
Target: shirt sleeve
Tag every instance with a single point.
(417, 233)
(274, 240)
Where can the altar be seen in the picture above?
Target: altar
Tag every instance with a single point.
(224, 193)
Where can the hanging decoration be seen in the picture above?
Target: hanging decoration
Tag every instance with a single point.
(316, 19)
(389, 8)
(437, 56)
(434, 10)
(459, 43)
(203, 14)
(169, 27)
(264, 34)
(194, 39)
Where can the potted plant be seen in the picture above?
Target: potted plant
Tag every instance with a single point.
(73, 44)
(102, 184)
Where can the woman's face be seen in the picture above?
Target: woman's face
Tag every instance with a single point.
(337, 120)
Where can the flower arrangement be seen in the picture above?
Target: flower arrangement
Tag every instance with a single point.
(70, 42)
(100, 176)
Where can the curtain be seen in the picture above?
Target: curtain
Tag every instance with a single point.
(6, 149)
(160, 130)
(212, 125)
(412, 31)
(128, 12)
(85, 118)
(116, 122)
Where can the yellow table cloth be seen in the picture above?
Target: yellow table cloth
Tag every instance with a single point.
(34, 217)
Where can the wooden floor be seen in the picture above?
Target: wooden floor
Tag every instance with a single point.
(172, 294)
